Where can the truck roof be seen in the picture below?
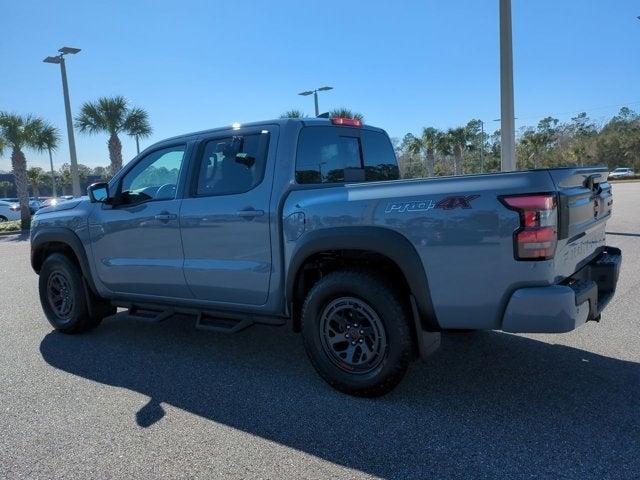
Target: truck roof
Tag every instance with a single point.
(307, 121)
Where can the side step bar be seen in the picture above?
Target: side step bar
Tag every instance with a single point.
(151, 316)
(221, 324)
(214, 321)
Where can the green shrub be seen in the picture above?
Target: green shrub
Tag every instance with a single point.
(13, 226)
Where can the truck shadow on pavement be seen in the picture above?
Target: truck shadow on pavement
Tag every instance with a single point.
(487, 405)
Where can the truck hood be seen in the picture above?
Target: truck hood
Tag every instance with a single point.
(67, 205)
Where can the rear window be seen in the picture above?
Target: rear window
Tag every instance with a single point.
(379, 158)
(339, 154)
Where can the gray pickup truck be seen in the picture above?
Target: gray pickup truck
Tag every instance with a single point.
(305, 222)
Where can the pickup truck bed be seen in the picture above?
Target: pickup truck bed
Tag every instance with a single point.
(466, 249)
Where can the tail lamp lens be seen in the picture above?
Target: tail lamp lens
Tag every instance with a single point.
(537, 236)
(348, 122)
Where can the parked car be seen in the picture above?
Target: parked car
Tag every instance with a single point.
(34, 203)
(622, 172)
(7, 213)
(305, 222)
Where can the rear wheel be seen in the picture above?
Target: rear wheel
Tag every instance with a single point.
(356, 333)
(68, 303)
(3, 218)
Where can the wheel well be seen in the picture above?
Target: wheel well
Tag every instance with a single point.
(320, 264)
(46, 249)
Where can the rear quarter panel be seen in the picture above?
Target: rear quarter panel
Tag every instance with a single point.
(466, 250)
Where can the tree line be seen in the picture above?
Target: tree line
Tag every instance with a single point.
(40, 184)
(551, 143)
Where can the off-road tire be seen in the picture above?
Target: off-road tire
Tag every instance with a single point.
(379, 296)
(83, 311)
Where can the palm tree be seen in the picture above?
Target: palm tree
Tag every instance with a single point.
(138, 126)
(4, 185)
(49, 139)
(428, 144)
(64, 178)
(36, 179)
(458, 141)
(113, 115)
(293, 114)
(20, 132)
(343, 112)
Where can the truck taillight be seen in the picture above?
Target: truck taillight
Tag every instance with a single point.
(537, 236)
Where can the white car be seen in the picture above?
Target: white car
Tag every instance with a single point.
(8, 211)
(621, 172)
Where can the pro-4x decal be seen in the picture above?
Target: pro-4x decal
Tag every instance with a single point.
(450, 203)
(447, 203)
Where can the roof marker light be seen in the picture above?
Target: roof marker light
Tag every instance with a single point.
(349, 122)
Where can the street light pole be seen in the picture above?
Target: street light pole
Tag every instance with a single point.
(75, 177)
(315, 99)
(507, 123)
(315, 96)
(72, 141)
(481, 146)
(53, 176)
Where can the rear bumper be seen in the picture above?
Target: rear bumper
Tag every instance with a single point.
(566, 306)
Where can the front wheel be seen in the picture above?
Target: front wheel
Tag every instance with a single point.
(68, 304)
(356, 333)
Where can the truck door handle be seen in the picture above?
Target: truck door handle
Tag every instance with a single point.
(165, 216)
(250, 213)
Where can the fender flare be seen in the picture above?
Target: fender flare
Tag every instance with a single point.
(66, 237)
(380, 240)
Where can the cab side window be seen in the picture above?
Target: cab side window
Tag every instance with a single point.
(232, 165)
(155, 177)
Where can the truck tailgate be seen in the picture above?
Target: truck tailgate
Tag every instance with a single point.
(584, 206)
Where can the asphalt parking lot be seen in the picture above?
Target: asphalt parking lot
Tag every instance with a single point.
(137, 400)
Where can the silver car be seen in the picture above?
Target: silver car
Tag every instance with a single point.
(621, 172)
(8, 211)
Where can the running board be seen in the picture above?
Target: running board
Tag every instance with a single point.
(223, 324)
(151, 316)
(216, 321)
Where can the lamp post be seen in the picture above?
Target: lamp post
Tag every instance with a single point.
(507, 124)
(59, 59)
(315, 96)
(481, 146)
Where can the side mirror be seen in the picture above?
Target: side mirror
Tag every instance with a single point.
(98, 192)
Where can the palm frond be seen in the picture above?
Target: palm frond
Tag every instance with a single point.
(430, 137)
(343, 112)
(293, 114)
(33, 126)
(19, 131)
(11, 125)
(137, 123)
(48, 138)
(107, 114)
(114, 112)
(90, 119)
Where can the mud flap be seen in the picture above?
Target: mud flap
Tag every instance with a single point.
(428, 342)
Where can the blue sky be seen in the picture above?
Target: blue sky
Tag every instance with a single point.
(403, 64)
